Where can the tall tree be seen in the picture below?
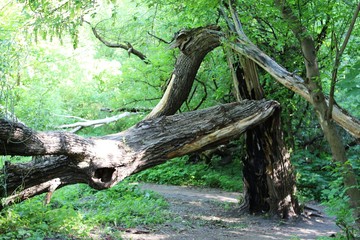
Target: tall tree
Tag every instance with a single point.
(324, 109)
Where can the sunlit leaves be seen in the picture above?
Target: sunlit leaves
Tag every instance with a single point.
(12, 46)
(57, 18)
(76, 210)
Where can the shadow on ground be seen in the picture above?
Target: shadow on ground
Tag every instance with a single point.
(203, 213)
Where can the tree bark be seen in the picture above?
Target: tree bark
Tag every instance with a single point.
(269, 179)
(293, 82)
(103, 162)
(194, 44)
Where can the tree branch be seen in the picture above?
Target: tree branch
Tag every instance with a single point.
(128, 47)
(158, 38)
(194, 44)
(293, 82)
(339, 54)
(96, 123)
(102, 162)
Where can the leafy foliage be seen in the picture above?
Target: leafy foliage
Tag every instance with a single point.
(313, 174)
(77, 211)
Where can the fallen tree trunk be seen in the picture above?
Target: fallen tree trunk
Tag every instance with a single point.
(103, 162)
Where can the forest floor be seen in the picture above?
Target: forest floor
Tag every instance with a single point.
(203, 213)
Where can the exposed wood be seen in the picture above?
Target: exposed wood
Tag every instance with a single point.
(202, 41)
(103, 162)
(194, 44)
(269, 179)
(294, 83)
(290, 80)
(96, 123)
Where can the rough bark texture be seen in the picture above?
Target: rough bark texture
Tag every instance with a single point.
(103, 162)
(268, 175)
(269, 179)
(194, 44)
(294, 83)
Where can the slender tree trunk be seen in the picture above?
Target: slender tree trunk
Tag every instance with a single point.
(313, 84)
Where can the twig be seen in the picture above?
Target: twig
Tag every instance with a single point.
(158, 38)
(97, 122)
(128, 47)
(74, 117)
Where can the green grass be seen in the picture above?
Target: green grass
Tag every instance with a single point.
(179, 172)
(78, 211)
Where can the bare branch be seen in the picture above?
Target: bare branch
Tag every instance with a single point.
(127, 46)
(97, 122)
(160, 39)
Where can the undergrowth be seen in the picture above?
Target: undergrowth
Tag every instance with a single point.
(179, 172)
(77, 211)
(319, 178)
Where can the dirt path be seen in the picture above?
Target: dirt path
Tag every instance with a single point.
(202, 213)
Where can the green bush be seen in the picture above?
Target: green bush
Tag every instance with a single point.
(75, 211)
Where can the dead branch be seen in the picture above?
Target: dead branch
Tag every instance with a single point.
(126, 46)
(95, 123)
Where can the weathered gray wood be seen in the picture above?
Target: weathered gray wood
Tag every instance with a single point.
(194, 44)
(96, 123)
(294, 83)
(103, 162)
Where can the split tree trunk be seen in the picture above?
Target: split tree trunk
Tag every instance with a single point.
(103, 162)
(269, 179)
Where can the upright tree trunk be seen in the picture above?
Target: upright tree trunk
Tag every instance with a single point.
(313, 84)
(269, 179)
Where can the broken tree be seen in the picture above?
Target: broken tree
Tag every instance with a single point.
(267, 168)
(104, 161)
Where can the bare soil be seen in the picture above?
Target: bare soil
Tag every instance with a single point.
(203, 213)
